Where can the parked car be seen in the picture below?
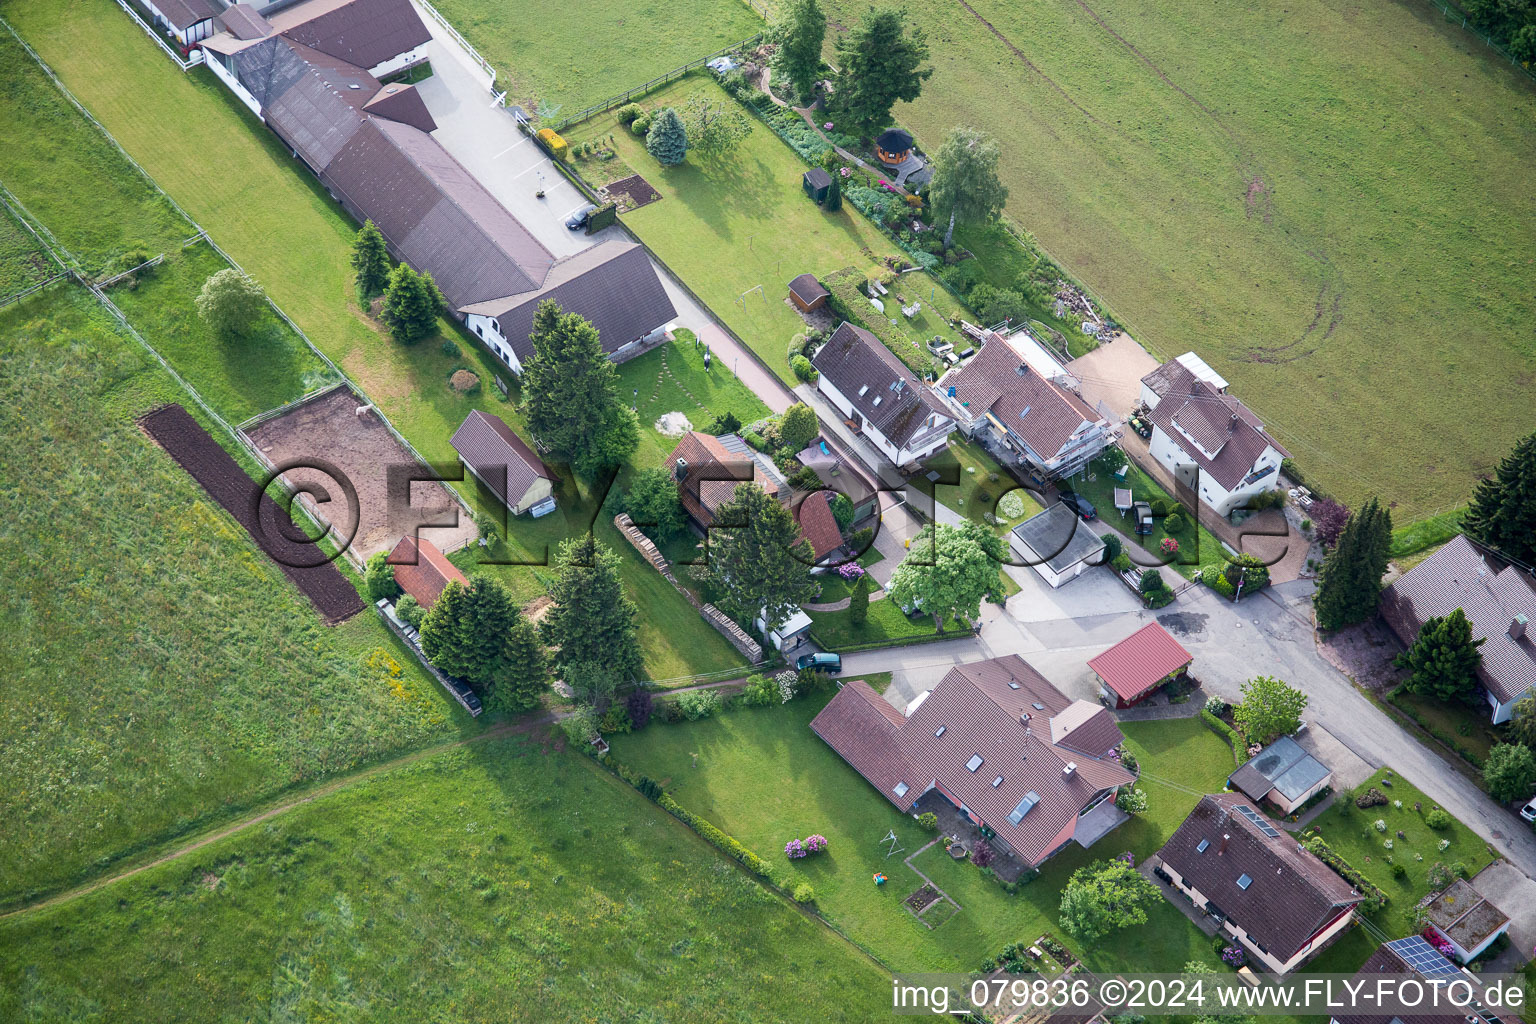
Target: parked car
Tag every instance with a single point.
(1143, 510)
(1079, 504)
(822, 661)
(1528, 812)
(578, 220)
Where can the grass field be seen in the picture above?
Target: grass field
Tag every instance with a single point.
(576, 54)
(1351, 832)
(23, 263)
(186, 130)
(498, 882)
(162, 674)
(1286, 190)
(732, 224)
(764, 777)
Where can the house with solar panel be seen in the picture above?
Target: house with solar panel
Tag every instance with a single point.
(994, 747)
(1413, 958)
(1282, 774)
(1260, 886)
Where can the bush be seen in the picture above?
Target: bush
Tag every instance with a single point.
(862, 539)
(1121, 562)
(1160, 598)
(1152, 582)
(804, 892)
(649, 787)
(1131, 800)
(1174, 523)
(1248, 568)
(982, 855)
(615, 720)
(1372, 797)
(1216, 706)
(928, 821)
(1112, 545)
(639, 706)
(1159, 507)
(803, 369)
(1437, 819)
(1439, 876)
(410, 612)
(761, 691)
(698, 704)
(716, 838)
(627, 113)
(558, 147)
(642, 122)
(755, 441)
(1398, 871)
(379, 578)
(1213, 577)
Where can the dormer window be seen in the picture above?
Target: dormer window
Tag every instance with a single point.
(941, 731)
(997, 782)
(973, 763)
(1205, 844)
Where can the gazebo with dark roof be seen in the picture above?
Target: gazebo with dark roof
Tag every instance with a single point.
(893, 146)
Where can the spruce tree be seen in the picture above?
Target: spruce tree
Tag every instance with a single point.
(834, 198)
(370, 258)
(879, 62)
(592, 620)
(412, 304)
(667, 139)
(1350, 582)
(799, 31)
(478, 634)
(758, 557)
(858, 602)
(1443, 660)
(448, 633)
(1502, 513)
(571, 392)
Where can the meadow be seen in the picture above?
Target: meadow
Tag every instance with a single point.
(23, 263)
(186, 131)
(161, 673)
(575, 54)
(500, 881)
(1327, 201)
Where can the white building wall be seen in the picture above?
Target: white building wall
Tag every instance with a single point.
(399, 62)
(489, 331)
(215, 62)
(1167, 451)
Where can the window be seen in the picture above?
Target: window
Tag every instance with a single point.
(901, 789)
(973, 763)
(1204, 845)
(479, 331)
(877, 399)
(862, 390)
(1012, 685)
(941, 731)
(1037, 706)
(997, 782)
(1025, 806)
(1244, 881)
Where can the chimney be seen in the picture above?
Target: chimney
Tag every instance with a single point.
(1070, 768)
(1517, 626)
(1223, 847)
(681, 472)
(1024, 717)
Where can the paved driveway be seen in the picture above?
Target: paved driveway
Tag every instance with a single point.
(1514, 894)
(1112, 374)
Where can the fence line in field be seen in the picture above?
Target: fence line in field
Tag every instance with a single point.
(437, 16)
(620, 98)
(187, 63)
(1454, 15)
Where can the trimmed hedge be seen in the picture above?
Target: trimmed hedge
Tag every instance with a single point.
(1226, 732)
(1375, 899)
(707, 830)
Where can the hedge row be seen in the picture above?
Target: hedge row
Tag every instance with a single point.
(711, 834)
(880, 645)
(1375, 899)
(1226, 732)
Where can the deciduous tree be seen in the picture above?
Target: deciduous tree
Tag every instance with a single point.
(379, 577)
(592, 620)
(879, 62)
(571, 392)
(947, 573)
(799, 31)
(667, 139)
(233, 305)
(1350, 582)
(712, 127)
(1269, 708)
(965, 185)
(1103, 897)
(412, 304)
(758, 558)
(1443, 660)
(370, 258)
(798, 427)
(1502, 513)
(1328, 520)
(1510, 772)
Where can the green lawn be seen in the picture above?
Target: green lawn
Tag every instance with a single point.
(187, 130)
(884, 624)
(162, 674)
(1198, 547)
(978, 493)
(580, 53)
(908, 337)
(1464, 727)
(764, 777)
(65, 173)
(1351, 832)
(495, 882)
(1282, 188)
(239, 379)
(23, 263)
(740, 222)
(1426, 533)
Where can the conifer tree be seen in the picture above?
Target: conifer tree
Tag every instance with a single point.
(592, 621)
(571, 391)
(1502, 513)
(1443, 660)
(1350, 582)
(667, 139)
(370, 258)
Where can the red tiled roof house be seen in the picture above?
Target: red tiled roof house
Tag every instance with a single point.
(883, 399)
(998, 742)
(1267, 892)
(1136, 666)
(422, 570)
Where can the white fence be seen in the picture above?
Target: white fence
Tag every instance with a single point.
(186, 63)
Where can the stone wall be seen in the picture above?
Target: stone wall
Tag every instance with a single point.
(738, 637)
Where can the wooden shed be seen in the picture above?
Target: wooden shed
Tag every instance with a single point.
(816, 183)
(807, 293)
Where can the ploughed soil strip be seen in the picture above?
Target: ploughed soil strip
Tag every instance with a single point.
(302, 561)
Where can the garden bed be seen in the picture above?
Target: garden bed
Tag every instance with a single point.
(920, 900)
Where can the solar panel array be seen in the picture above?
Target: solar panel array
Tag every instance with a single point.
(1421, 956)
(1259, 823)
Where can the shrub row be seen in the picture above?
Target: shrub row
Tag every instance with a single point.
(711, 834)
(878, 645)
(1375, 899)
(1439, 734)
(1226, 732)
